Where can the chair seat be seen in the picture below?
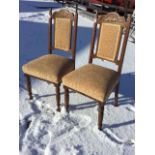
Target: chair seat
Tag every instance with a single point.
(92, 80)
(49, 67)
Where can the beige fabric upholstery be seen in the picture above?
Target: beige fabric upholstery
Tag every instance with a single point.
(92, 80)
(49, 67)
(62, 33)
(109, 41)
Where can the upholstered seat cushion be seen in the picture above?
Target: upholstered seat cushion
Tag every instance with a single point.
(92, 80)
(49, 67)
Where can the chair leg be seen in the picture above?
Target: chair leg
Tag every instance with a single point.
(100, 114)
(28, 84)
(66, 98)
(116, 95)
(57, 87)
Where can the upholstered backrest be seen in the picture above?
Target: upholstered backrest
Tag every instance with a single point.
(109, 41)
(62, 31)
(63, 21)
(62, 36)
(112, 38)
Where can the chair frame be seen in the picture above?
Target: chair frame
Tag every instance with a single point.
(64, 14)
(112, 17)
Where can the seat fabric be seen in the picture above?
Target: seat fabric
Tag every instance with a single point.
(49, 67)
(92, 80)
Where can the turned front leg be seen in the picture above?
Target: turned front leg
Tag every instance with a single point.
(100, 114)
(57, 87)
(28, 84)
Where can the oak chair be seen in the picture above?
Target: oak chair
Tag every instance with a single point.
(52, 67)
(95, 81)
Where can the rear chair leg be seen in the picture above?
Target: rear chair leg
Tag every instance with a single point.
(28, 84)
(116, 95)
(100, 114)
(66, 98)
(57, 87)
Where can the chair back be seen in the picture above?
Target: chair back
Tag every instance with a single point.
(112, 38)
(65, 31)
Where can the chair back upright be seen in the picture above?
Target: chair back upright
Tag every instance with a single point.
(112, 38)
(64, 31)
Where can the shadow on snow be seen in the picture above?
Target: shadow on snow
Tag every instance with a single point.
(34, 6)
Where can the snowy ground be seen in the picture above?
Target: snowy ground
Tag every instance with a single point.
(43, 131)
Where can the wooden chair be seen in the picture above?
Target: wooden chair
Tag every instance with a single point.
(95, 81)
(51, 67)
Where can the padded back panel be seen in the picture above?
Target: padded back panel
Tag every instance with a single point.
(62, 35)
(109, 41)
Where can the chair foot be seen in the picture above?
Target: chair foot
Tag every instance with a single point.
(116, 95)
(58, 109)
(57, 87)
(66, 98)
(100, 114)
(28, 84)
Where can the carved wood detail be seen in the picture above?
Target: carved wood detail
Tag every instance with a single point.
(63, 14)
(112, 17)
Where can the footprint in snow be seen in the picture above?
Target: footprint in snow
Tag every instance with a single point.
(111, 138)
(131, 108)
(45, 128)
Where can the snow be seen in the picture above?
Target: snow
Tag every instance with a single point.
(43, 131)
